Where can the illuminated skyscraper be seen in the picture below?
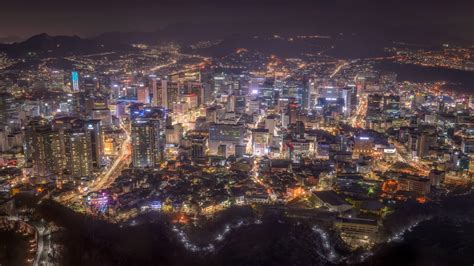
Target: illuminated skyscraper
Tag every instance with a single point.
(7, 103)
(93, 128)
(148, 137)
(145, 143)
(44, 149)
(75, 81)
(349, 95)
(164, 94)
(78, 148)
(198, 89)
(154, 90)
(143, 95)
(65, 147)
(227, 135)
(305, 93)
(293, 111)
(374, 106)
(57, 80)
(391, 106)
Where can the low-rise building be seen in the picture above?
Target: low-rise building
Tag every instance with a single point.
(416, 184)
(331, 200)
(357, 229)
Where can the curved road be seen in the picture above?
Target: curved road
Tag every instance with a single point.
(107, 178)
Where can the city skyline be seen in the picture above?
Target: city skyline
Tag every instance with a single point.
(236, 132)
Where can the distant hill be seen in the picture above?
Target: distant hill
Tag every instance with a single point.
(10, 39)
(44, 45)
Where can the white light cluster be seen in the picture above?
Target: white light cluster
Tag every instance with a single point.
(398, 237)
(332, 256)
(190, 246)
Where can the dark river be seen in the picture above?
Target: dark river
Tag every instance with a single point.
(460, 81)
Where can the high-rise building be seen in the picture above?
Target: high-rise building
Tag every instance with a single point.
(103, 115)
(426, 140)
(467, 145)
(174, 134)
(44, 149)
(391, 106)
(143, 95)
(75, 81)
(195, 88)
(146, 143)
(154, 91)
(374, 106)
(78, 149)
(305, 93)
(293, 113)
(148, 136)
(57, 80)
(207, 93)
(299, 129)
(165, 103)
(228, 135)
(349, 95)
(198, 146)
(93, 128)
(7, 103)
(166, 93)
(239, 104)
(66, 147)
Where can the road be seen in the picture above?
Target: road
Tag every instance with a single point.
(256, 178)
(174, 61)
(338, 68)
(108, 177)
(44, 246)
(114, 171)
(358, 119)
(164, 65)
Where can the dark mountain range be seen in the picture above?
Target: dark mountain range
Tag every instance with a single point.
(44, 45)
(184, 33)
(345, 42)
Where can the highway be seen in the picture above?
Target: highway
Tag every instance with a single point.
(164, 65)
(357, 120)
(174, 61)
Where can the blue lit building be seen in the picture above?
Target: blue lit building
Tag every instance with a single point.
(75, 81)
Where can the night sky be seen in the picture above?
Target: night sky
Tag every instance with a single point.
(23, 18)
